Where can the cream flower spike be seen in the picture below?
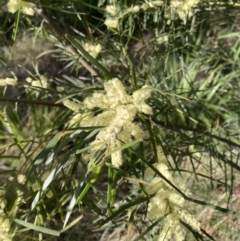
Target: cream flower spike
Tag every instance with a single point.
(116, 90)
(111, 23)
(184, 8)
(8, 81)
(21, 179)
(167, 201)
(72, 105)
(5, 228)
(26, 7)
(121, 109)
(111, 9)
(118, 110)
(139, 98)
(37, 85)
(92, 49)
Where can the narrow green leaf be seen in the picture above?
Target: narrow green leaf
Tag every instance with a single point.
(79, 47)
(109, 190)
(83, 193)
(16, 24)
(44, 153)
(195, 233)
(37, 228)
(124, 208)
(73, 200)
(141, 236)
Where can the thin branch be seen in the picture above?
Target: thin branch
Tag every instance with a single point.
(175, 127)
(31, 102)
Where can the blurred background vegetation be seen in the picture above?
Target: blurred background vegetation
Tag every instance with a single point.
(194, 66)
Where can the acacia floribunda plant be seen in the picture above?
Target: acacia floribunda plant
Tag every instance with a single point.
(146, 106)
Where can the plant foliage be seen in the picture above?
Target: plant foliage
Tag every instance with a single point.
(151, 84)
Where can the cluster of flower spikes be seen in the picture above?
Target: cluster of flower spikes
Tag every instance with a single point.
(167, 201)
(183, 9)
(92, 49)
(5, 234)
(25, 7)
(118, 112)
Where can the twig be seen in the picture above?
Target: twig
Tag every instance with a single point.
(175, 127)
(32, 102)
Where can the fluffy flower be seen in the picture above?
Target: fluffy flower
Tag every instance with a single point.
(21, 179)
(111, 9)
(4, 228)
(145, 6)
(115, 90)
(152, 4)
(8, 81)
(82, 119)
(72, 105)
(103, 119)
(92, 49)
(184, 8)
(124, 114)
(133, 9)
(157, 207)
(129, 131)
(139, 98)
(111, 23)
(176, 199)
(39, 84)
(99, 100)
(163, 169)
(155, 185)
(189, 219)
(172, 227)
(116, 155)
(167, 201)
(162, 39)
(2, 205)
(42, 82)
(26, 7)
(117, 112)
(175, 3)
(158, 3)
(74, 122)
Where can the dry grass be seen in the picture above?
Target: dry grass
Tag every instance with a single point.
(220, 226)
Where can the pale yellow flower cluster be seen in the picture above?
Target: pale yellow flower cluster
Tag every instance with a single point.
(118, 112)
(92, 49)
(167, 201)
(4, 222)
(112, 18)
(26, 7)
(162, 39)
(8, 81)
(152, 4)
(36, 85)
(4, 229)
(112, 10)
(184, 8)
(111, 23)
(21, 178)
(133, 9)
(114, 14)
(72, 105)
